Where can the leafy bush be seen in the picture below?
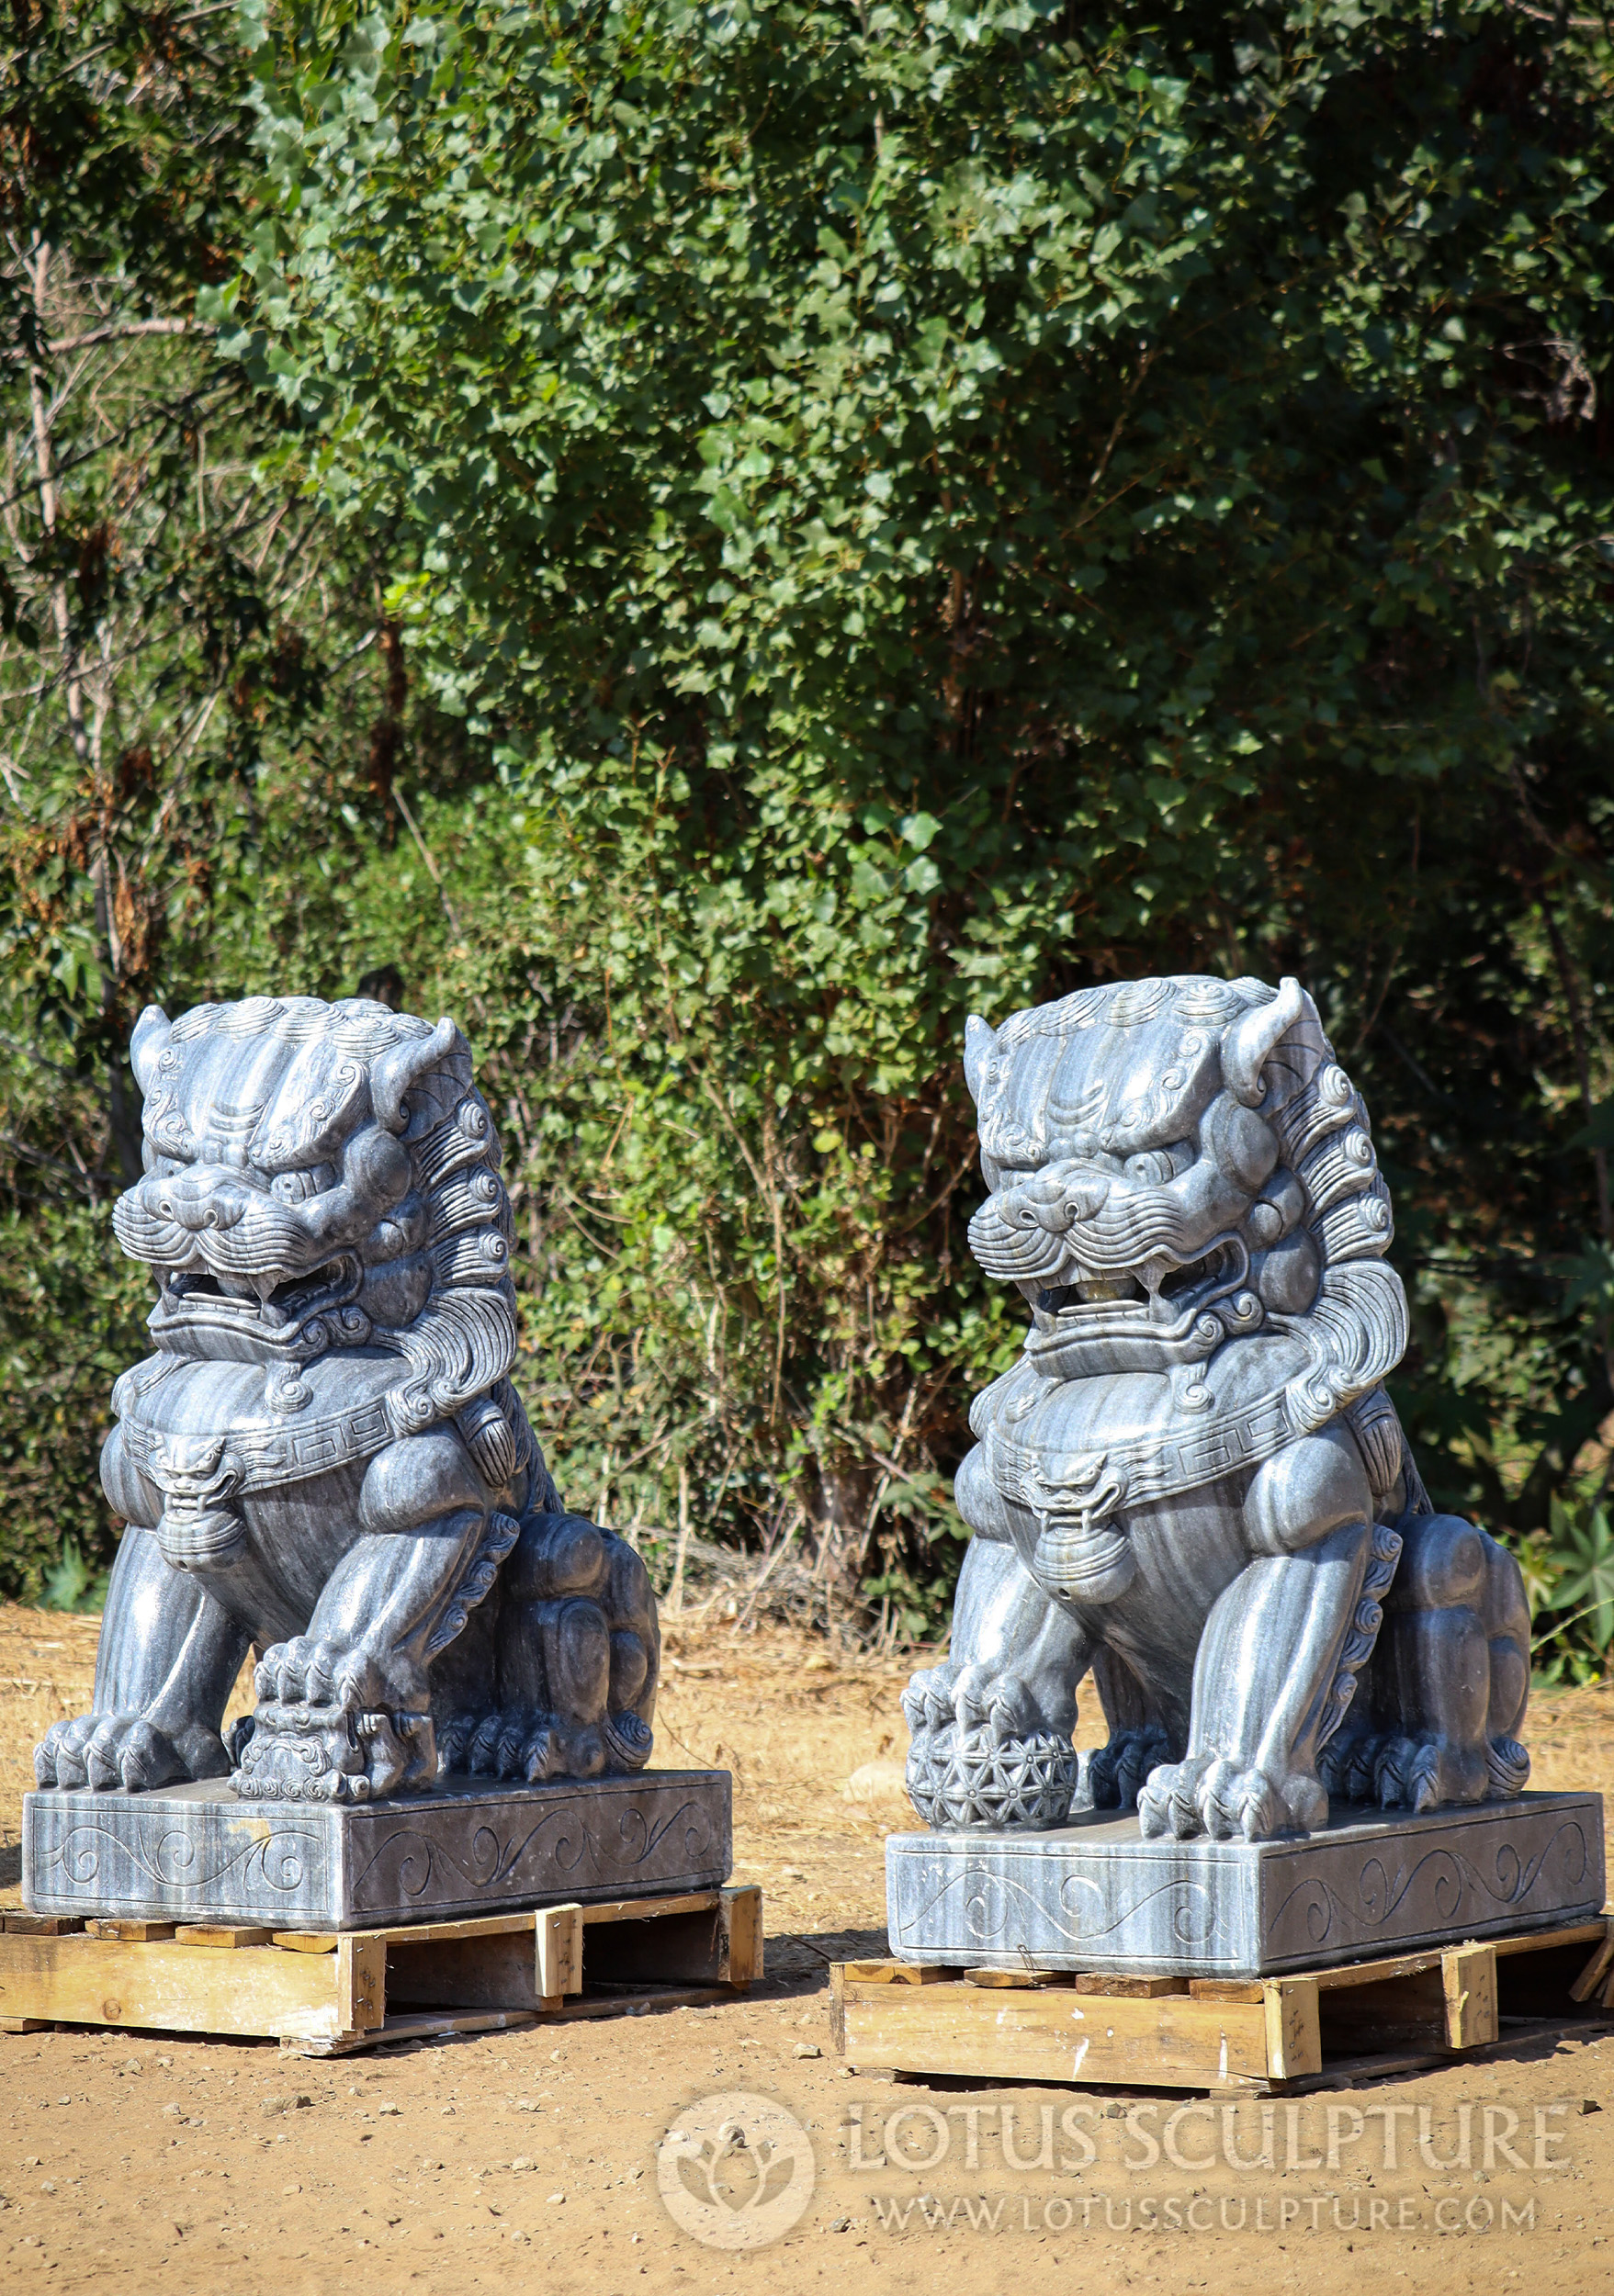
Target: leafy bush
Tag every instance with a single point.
(928, 507)
(807, 522)
(1575, 1614)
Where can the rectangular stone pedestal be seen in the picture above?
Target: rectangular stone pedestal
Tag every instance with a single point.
(1095, 1895)
(476, 1845)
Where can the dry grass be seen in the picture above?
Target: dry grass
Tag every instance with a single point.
(155, 2163)
(789, 1714)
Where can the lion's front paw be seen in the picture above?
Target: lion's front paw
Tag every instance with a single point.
(952, 1696)
(1401, 1772)
(926, 1702)
(331, 1725)
(1002, 1704)
(510, 1742)
(310, 1670)
(1117, 1773)
(1209, 1794)
(104, 1751)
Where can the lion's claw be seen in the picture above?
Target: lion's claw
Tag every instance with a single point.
(307, 1672)
(104, 1752)
(1118, 1772)
(969, 1698)
(333, 1725)
(926, 1702)
(1208, 1794)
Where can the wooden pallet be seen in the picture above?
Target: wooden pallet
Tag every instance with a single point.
(1267, 2035)
(327, 1993)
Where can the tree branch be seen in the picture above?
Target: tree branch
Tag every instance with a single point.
(119, 328)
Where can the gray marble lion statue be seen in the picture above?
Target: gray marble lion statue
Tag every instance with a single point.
(324, 1460)
(1192, 1486)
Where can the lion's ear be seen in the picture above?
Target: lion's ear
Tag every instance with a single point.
(979, 1044)
(1252, 1038)
(394, 1073)
(148, 1043)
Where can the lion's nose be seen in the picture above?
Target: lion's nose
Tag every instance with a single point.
(194, 1205)
(1076, 1199)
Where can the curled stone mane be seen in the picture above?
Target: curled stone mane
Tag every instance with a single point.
(1356, 1329)
(464, 1340)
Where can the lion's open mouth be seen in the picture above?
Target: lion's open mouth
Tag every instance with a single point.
(1130, 1299)
(192, 1291)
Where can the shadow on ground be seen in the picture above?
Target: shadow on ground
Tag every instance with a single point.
(792, 1954)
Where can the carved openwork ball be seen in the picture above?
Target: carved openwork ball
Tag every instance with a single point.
(1024, 1784)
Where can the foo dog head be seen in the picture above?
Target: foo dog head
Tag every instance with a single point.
(1173, 1163)
(318, 1177)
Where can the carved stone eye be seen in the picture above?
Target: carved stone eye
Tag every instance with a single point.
(1266, 1224)
(1153, 1167)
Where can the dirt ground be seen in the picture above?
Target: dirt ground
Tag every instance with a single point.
(527, 2160)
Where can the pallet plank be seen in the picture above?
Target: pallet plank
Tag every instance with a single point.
(646, 1908)
(413, 1932)
(1539, 1940)
(739, 1935)
(1094, 1981)
(1359, 1973)
(1050, 2035)
(1469, 1980)
(1410, 1965)
(513, 1924)
(328, 1992)
(94, 1980)
(1597, 1969)
(639, 2000)
(560, 1952)
(361, 1980)
(895, 1973)
(425, 2027)
(1295, 2042)
(1257, 2036)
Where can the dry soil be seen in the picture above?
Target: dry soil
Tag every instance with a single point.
(526, 2160)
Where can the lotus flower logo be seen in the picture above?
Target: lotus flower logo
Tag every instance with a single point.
(736, 2171)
